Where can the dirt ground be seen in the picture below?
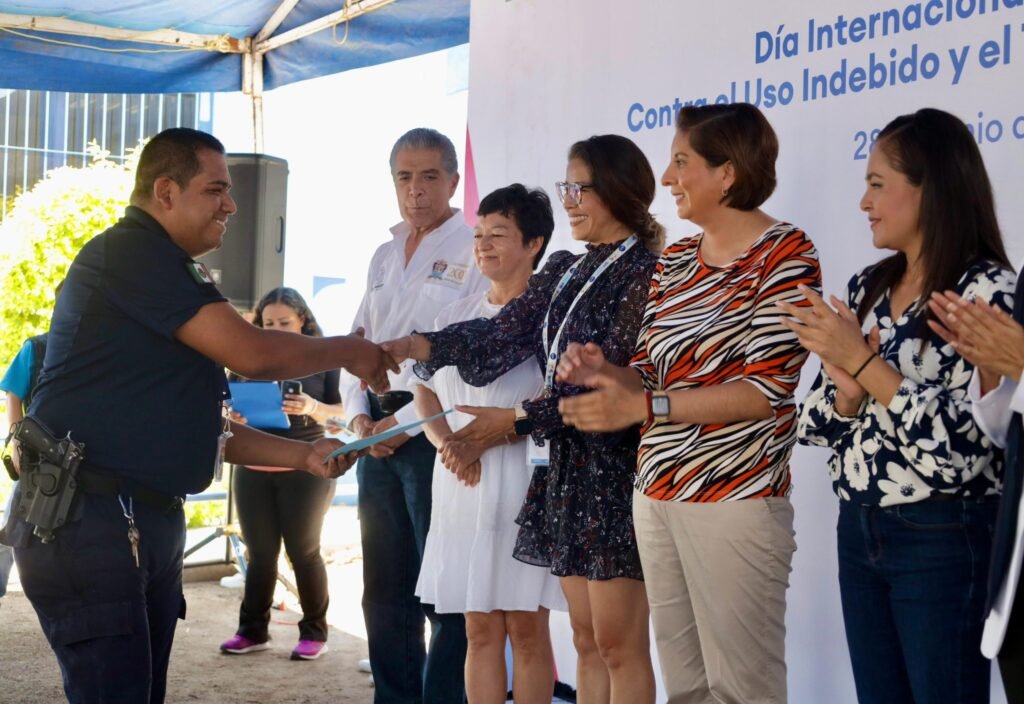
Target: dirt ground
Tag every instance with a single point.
(198, 672)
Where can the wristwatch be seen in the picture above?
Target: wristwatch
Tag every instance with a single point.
(658, 405)
(523, 425)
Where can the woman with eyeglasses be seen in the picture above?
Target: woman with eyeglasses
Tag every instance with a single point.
(577, 517)
(713, 381)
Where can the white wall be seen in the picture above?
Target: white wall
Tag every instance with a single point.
(544, 74)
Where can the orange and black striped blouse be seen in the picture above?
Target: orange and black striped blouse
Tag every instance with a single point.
(707, 325)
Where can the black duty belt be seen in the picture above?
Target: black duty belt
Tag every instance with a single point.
(91, 481)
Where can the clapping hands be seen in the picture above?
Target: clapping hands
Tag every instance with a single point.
(614, 404)
(986, 336)
(580, 365)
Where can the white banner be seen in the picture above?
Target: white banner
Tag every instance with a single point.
(828, 75)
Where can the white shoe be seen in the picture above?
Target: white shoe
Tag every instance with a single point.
(364, 666)
(234, 581)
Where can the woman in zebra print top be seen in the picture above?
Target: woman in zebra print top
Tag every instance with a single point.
(712, 381)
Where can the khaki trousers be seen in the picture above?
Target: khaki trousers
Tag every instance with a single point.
(716, 577)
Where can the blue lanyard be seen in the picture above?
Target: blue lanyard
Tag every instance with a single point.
(551, 350)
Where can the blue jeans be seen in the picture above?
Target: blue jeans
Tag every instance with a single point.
(394, 516)
(912, 580)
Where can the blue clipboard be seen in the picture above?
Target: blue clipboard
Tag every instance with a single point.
(260, 403)
(358, 445)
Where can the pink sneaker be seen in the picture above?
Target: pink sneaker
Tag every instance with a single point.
(309, 650)
(240, 645)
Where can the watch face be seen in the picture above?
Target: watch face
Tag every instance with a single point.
(523, 426)
(659, 406)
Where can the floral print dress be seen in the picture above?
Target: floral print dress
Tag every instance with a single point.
(925, 442)
(577, 517)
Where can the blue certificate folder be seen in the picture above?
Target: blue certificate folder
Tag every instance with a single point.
(357, 445)
(260, 403)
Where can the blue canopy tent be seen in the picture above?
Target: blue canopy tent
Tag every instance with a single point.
(198, 46)
(164, 46)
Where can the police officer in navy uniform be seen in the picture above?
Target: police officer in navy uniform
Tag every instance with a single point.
(134, 370)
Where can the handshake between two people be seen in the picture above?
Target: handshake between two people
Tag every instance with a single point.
(368, 361)
(372, 370)
(371, 361)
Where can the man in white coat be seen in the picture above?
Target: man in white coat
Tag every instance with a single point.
(426, 265)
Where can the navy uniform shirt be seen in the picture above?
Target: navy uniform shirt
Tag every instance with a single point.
(146, 406)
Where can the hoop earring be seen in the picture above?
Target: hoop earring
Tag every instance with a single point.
(725, 192)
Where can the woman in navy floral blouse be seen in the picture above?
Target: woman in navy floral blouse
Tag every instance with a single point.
(577, 517)
(917, 479)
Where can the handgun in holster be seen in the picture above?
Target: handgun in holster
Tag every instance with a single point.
(49, 476)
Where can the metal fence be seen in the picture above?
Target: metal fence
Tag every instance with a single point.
(42, 130)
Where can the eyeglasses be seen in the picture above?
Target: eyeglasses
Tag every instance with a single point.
(572, 193)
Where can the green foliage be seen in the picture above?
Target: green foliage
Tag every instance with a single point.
(201, 514)
(46, 227)
(9, 203)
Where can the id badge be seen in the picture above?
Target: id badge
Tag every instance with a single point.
(537, 454)
(218, 464)
(222, 441)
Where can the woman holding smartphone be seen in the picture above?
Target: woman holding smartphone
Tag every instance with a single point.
(275, 503)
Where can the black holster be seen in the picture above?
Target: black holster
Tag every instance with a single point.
(49, 476)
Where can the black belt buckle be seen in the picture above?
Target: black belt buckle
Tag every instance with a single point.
(393, 401)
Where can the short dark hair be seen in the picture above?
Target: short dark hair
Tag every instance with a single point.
(936, 152)
(530, 208)
(294, 300)
(172, 153)
(427, 138)
(740, 134)
(624, 180)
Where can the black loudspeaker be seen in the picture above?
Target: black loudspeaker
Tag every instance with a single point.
(251, 260)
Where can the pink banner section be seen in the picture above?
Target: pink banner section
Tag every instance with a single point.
(471, 196)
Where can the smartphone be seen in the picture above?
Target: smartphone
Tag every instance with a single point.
(291, 387)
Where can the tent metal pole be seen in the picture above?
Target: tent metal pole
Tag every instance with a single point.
(275, 20)
(168, 37)
(350, 12)
(252, 85)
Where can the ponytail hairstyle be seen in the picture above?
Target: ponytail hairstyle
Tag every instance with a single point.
(623, 179)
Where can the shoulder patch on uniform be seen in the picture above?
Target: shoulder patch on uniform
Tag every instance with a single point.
(199, 272)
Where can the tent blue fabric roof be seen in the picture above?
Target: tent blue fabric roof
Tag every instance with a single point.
(64, 62)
